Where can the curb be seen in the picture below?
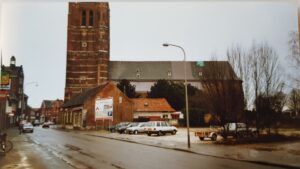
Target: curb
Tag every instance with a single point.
(193, 152)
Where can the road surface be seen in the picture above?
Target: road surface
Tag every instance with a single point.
(56, 149)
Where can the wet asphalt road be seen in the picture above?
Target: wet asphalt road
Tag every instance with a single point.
(55, 149)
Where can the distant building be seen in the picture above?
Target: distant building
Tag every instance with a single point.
(50, 110)
(11, 94)
(154, 109)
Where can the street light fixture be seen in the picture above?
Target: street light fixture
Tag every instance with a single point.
(186, 92)
(23, 105)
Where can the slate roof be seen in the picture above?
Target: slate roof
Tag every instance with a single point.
(79, 99)
(151, 105)
(173, 70)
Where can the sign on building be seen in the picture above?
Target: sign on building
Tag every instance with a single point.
(5, 81)
(3, 95)
(104, 108)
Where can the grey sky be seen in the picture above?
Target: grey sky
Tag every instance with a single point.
(35, 32)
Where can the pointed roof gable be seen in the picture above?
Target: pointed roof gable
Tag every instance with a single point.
(79, 99)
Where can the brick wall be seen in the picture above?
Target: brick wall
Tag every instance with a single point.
(121, 111)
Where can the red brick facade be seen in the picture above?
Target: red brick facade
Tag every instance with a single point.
(87, 46)
(80, 110)
(50, 110)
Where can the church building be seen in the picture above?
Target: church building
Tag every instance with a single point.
(89, 65)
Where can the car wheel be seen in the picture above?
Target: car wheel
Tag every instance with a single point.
(201, 138)
(214, 137)
(173, 132)
(135, 132)
(149, 134)
(160, 133)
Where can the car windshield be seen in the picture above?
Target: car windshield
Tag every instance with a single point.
(133, 124)
(27, 125)
(150, 124)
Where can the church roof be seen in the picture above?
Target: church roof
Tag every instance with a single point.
(173, 70)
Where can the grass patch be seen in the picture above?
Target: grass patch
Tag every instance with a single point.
(272, 138)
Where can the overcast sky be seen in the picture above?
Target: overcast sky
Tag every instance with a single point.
(36, 33)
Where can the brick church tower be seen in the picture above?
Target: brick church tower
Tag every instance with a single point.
(88, 46)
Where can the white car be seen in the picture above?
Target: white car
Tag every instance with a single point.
(139, 128)
(27, 127)
(159, 128)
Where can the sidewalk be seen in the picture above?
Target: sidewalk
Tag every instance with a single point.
(285, 154)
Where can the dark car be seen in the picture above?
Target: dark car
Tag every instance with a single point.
(36, 123)
(112, 128)
(121, 127)
(46, 125)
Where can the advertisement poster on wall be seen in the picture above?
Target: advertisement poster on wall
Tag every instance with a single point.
(104, 108)
(4, 80)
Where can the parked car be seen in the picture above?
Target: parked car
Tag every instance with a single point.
(236, 130)
(112, 128)
(159, 128)
(27, 127)
(135, 129)
(36, 123)
(46, 125)
(121, 127)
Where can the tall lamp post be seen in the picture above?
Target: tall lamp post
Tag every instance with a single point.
(23, 104)
(186, 94)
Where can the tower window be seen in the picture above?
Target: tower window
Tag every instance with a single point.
(169, 74)
(83, 18)
(91, 22)
(138, 73)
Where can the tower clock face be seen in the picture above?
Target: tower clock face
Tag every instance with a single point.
(84, 44)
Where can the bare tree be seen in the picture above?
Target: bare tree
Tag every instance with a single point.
(294, 101)
(270, 70)
(222, 91)
(294, 46)
(239, 61)
(266, 80)
(294, 56)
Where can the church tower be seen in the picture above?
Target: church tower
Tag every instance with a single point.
(87, 46)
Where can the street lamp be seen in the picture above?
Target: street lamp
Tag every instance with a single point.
(186, 94)
(23, 105)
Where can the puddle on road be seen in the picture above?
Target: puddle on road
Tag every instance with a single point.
(267, 149)
(23, 163)
(12, 166)
(295, 152)
(72, 147)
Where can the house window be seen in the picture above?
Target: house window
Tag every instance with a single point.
(200, 74)
(21, 81)
(91, 22)
(165, 116)
(83, 18)
(20, 91)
